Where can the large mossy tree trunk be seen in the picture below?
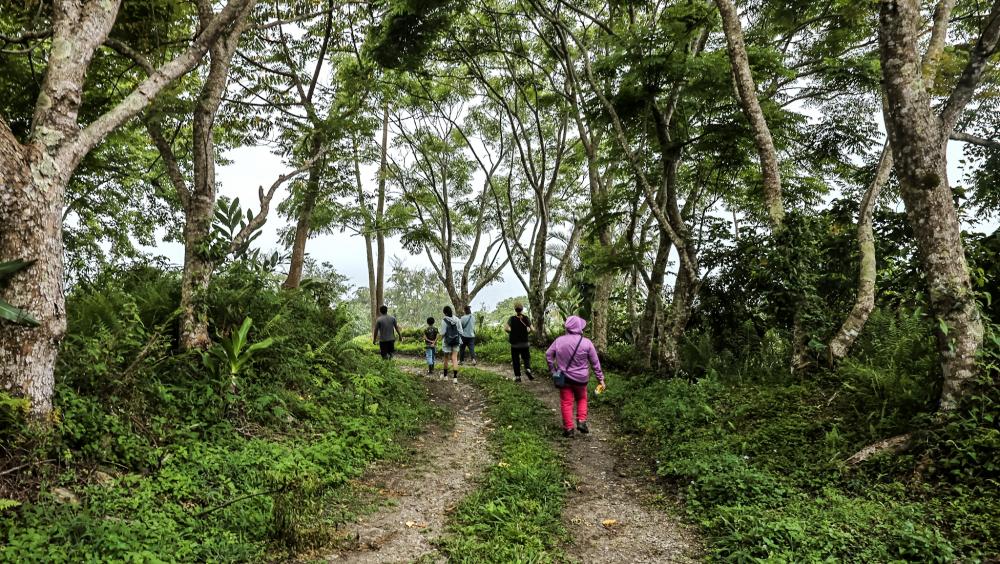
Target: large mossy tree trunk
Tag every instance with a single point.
(864, 302)
(31, 200)
(35, 174)
(918, 147)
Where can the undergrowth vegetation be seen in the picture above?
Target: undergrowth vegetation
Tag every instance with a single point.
(243, 452)
(759, 455)
(515, 513)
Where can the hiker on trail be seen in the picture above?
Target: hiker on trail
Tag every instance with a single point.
(574, 354)
(385, 332)
(452, 339)
(468, 330)
(518, 327)
(431, 337)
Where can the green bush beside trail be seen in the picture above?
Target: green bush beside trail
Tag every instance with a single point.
(758, 455)
(168, 463)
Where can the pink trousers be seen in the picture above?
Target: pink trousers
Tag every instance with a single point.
(570, 393)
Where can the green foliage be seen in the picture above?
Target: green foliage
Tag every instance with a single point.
(759, 460)
(515, 513)
(231, 354)
(408, 32)
(191, 476)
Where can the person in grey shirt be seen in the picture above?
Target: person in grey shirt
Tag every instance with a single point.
(385, 332)
(467, 328)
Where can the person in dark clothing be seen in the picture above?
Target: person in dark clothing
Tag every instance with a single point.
(451, 338)
(518, 329)
(385, 332)
(431, 337)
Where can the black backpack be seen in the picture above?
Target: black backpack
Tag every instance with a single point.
(452, 337)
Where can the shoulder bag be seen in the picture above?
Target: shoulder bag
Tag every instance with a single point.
(558, 376)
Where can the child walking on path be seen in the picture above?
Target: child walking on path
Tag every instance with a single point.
(431, 337)
(450, 329)
(574, 354)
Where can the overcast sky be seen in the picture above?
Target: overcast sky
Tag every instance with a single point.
(255, 166)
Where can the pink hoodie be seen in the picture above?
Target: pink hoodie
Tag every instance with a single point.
(576, 369)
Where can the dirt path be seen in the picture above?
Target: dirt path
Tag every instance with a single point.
(611, 514)
(448, 462)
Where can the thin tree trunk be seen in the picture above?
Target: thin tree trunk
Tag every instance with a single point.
(383, 171)
(918, 147)
(747, 91)
(674, 324)
(537, 305)
(198, 264)
(303, 224)
(864, 303)
(654, 295)
(599, 310)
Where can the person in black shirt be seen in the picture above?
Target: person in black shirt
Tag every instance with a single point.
(518, 329)
(431, 337)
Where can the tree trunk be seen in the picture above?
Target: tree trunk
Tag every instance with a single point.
(537, 305)
(864, 303)
(600, 310)
(383, 172)
(198, 266)
(303, 222)
(674, 324)
(918, 147)
(199, 215)
(654, 296)
(747, 94)
(31, 199)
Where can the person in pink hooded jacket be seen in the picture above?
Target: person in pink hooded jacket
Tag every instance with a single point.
(574, 354)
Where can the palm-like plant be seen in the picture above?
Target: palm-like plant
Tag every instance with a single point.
(7, 311)
(231, 353)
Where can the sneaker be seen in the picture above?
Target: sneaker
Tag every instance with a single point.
(475, 362)
(530, 376)
(567, 433)
(461, 363)
(454, 380)
(582, 427)
(517, 379)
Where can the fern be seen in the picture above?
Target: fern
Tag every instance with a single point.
(6, 504)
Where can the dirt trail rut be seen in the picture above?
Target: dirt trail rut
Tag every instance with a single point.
(450, 462)
(611, 514)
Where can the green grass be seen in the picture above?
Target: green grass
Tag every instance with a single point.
(515, 513)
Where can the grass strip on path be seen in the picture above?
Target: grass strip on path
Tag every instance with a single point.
(515, 513)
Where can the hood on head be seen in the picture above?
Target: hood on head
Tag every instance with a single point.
(575, 324)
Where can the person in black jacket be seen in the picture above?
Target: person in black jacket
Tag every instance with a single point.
(518, 330)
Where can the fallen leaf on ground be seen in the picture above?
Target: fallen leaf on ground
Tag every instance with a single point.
(609, 522)
(414, 524)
